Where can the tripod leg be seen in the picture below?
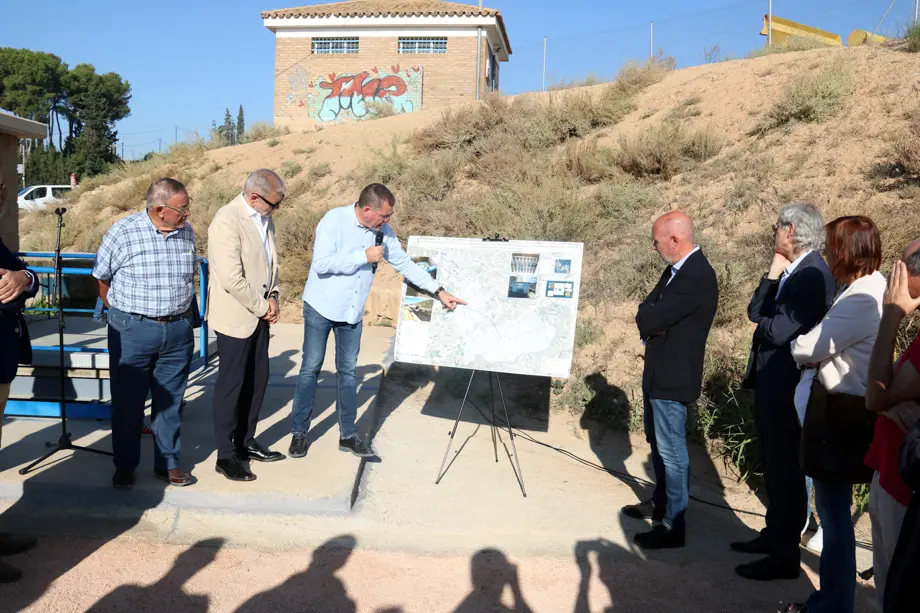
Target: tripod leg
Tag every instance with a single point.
(518, 474)
(27, 469)
(454, 431)
(91, 450)
(494, 427)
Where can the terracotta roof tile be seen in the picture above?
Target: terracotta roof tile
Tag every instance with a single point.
(391, 8)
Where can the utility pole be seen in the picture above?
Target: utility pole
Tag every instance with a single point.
(160, 146)
(544, 63)
(651, 40)
(176, 137)
(769, 23)
(122, 148)
(916, 12)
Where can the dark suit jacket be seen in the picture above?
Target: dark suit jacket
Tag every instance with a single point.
(15, 345)
(807, 295)
(674, 321)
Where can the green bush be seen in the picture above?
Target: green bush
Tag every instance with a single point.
(912, 36)
(290, 169)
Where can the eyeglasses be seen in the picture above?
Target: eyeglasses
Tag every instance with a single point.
(274, 205)
(182, 212)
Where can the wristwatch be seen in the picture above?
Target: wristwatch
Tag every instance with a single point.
(438, 291)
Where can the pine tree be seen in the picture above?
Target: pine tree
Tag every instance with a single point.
(240, 126)
(229, 129)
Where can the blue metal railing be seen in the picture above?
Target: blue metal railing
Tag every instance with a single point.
(203, 356)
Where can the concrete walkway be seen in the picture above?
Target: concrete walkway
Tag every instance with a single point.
(324, 482)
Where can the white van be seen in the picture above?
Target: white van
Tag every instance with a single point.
(37, 197)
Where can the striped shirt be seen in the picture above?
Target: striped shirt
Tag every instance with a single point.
(150, 274)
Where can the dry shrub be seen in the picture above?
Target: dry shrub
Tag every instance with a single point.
(796, 43)
(295, 231)
(537, 124)
(590, 163)
(262, 130)
(290, 169)
(907, 150)
(912, 37)
(666, 151)
(318, 171)
(812, 97)
(379, 110)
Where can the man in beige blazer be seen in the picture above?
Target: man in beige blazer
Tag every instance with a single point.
(242, 302)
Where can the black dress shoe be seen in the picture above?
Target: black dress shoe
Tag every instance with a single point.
(757, 545)
(660, 537)
(642, 510)
(11, 544)
(234, 469)
(298, 448)
(357, 447)
(255, 451)
(770, 568)
(9, 574)
(123, 479)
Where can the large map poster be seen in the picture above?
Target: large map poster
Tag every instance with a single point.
(523, 304)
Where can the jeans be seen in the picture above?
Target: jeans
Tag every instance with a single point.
(838, 558)
(666, 432)
(347, 343)
(146, 356)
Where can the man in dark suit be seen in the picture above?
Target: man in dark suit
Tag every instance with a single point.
(674, 323)
(790, 300)
(16, 285)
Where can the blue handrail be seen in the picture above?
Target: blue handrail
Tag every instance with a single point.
(202, 298)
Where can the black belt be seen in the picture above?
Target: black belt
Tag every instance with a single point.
(169, 318)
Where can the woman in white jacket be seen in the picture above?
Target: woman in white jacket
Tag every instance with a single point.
(837, 352)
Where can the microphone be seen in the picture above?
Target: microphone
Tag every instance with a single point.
(377, 242)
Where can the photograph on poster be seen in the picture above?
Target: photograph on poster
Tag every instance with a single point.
(522, 286)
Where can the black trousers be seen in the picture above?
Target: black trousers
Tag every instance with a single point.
(779, 435)
(242, 377)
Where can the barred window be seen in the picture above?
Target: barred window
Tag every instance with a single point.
(423, 44)
(325, 46)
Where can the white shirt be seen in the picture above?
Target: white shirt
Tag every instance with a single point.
(340, 276)
(841, 344)
(676, 267)
(789, 270)
(261, 223)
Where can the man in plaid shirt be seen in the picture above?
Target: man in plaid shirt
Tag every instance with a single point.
(144, 270)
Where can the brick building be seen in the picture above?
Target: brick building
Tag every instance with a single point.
(334, 62)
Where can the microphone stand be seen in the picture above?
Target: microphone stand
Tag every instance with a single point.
(64, 442)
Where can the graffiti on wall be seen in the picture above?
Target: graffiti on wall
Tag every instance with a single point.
(341, 97)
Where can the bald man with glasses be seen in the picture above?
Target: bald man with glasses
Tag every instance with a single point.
(242, 303)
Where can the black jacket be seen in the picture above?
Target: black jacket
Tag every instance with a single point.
(902, 590)
(15, 344)
(807, 295)
(674, 322)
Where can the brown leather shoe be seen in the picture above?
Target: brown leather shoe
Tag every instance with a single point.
(175, 476)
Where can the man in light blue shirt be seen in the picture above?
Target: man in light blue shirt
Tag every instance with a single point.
(345, 257)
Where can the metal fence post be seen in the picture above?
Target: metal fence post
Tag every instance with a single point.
(769, 23)
(651, 40)
(544, 63)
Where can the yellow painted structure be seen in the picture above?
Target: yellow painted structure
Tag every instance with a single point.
(785, 30)
(862, 37)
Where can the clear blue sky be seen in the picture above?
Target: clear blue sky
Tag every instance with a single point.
(188, 60)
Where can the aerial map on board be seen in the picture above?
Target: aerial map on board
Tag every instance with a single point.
(523, 303)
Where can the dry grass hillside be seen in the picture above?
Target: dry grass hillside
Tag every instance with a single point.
(729, 143)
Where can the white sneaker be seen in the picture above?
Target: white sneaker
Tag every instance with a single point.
(816, 542)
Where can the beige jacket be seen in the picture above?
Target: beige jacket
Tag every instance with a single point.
(239, 280)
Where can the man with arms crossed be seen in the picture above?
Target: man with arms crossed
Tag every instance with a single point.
(674, 323)
(344, 255)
